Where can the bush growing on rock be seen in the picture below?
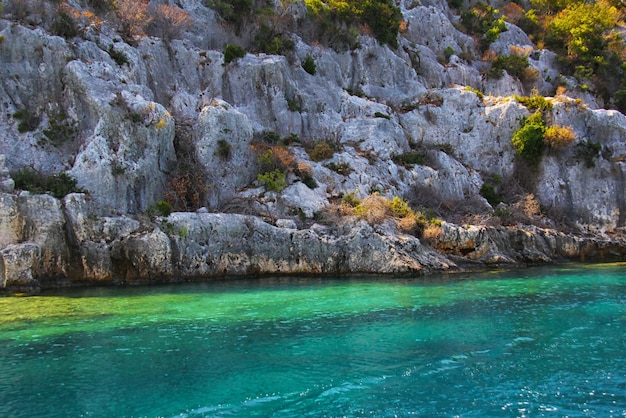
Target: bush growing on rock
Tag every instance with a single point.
(528, 139)
(483, 21)
(559, 136)
(274, 181)
(534, 102)
(376, 209)
(409, 159)
(382, 17)
(160, 208)
(588, 151)
(134, 17)
(28, 121)
(57, 185)
(321, 151)
(515, 65)
(168, 22)
(308, 64)
(272, 41)
(233, 52)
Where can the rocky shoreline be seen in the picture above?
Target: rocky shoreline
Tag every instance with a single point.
(49, 243)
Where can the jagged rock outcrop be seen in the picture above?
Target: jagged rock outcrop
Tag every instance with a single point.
(73, 246)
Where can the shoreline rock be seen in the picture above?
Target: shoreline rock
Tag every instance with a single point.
(70, 246)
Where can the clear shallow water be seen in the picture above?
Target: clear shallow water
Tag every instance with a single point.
(538, 342)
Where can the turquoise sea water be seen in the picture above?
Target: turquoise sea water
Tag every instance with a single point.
(537, 342)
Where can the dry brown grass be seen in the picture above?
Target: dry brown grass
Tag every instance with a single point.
(374, 209)
(432, 231)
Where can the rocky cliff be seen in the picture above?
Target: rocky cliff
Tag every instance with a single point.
(258, 154)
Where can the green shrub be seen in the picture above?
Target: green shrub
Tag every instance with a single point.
(488, 191)
(534, 103)
(233, 52)
(273, 181)
(483, 21)
(321, 151)
(528, 139)
(270, 137)
(381, 16)
(409, 159)
(620, 100)
(351, 200)
(119, 57)
(448, 52)
(57, 185)
(65, 26)
(293, 105)
(28, 121)
(381, 115)
(224, 149)
(233, 12)
(340, 168)
(588, 152)
(160, 208)
(477, 92)
(268, 40)
(515, 65)
(308, 64)
(61, 128)
(399, 207)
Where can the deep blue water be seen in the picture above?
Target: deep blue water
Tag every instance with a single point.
(536, 342)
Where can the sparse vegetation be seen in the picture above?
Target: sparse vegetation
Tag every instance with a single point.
(321, 151)
(134, 17)
(274, 181)
(271, 41)
(57, 185)
(588, 152)
(234, 12)
(559, 136)
(338, 20)
(488, 191)
(308, 64)
(477, 92)
(224, 149)
(515, 65)
(168, 22)
(484, 22)
(117, 55)
(534, 102)
(528, 139)
(65, 26)
(376, 209)
(342, 168)
(61, 128)
(186, 188)
(160, 208)
(409, 159)
(233, 52)
(28, 121)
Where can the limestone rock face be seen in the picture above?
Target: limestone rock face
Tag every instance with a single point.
(586, 185)
(128, 149)
(222, 137)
